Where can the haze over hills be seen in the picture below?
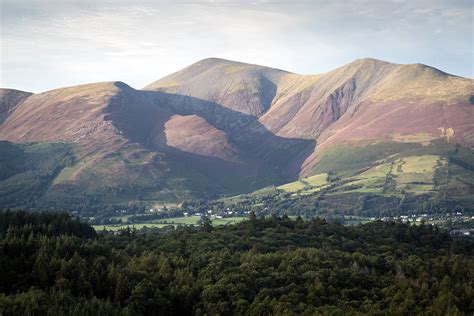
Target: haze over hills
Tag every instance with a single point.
(223, 127)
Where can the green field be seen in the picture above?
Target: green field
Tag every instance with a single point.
(118, 227)
(175, 221)
(293, 186)
(311, 184)
(413, 174)
(194, 220)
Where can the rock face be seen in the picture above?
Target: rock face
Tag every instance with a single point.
(221, 119)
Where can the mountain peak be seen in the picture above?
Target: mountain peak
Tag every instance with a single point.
(216, 61)
(413, 69)
(221, 63)
(367, 60)
(241, 87)
(369, 63)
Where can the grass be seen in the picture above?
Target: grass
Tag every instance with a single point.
(415, 174)
(347, 160)
(27, 170)
(122, 217)
(307, 185)
(293, 186)
(65, 175)
(311, 191)
(118, 227)
(316, 180)
(175, 221)
(227, 220)
(420, 164)
(192, 220)
(369, 181)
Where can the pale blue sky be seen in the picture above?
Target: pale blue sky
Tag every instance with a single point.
(51, 44)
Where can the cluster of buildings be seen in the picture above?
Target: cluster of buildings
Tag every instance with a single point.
(428, 217)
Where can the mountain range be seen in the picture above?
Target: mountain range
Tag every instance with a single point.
(220, 127)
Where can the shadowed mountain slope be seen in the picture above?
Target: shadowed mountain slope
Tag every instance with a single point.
(9, 99)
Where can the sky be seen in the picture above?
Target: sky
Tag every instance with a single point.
(51, 44)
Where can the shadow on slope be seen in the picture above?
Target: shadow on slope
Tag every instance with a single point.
(256, 143)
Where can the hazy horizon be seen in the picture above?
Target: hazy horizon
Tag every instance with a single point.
(47, 45)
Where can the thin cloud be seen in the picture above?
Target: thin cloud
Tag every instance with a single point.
(53, 44)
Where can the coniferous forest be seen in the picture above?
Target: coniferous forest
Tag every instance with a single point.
(52, 263)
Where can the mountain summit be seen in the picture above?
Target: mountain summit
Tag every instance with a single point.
(241, 87)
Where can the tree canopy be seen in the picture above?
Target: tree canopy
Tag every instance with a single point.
(53, 263)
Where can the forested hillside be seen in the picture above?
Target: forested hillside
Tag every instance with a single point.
(54, 264)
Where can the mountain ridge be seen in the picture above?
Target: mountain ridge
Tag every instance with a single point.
(235, 126)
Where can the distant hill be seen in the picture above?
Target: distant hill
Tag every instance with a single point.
(223, 127)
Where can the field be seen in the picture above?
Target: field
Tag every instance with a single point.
(312, 184)
(175, 221)
(412, 174)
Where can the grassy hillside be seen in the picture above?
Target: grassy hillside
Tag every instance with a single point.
(65, 176)
(307, 185)
(27, 171)
(439, 173)
(375, 180)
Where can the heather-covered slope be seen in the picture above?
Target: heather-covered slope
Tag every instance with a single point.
(359, 85)
(73, 114)
(410, 104)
